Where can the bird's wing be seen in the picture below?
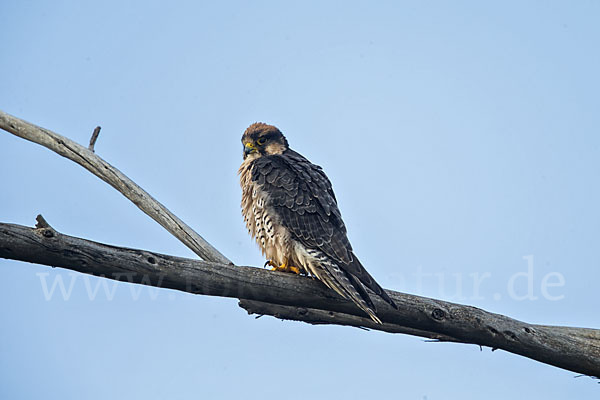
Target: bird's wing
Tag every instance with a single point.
(301, 194)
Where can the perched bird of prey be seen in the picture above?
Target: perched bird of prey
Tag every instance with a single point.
(290, 209)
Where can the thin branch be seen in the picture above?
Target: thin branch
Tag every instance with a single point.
(299, 298)
(109, 174)
(315, 316)
(94, 138)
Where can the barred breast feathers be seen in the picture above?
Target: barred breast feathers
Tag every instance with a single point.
(261, 221)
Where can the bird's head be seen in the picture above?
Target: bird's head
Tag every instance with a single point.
(261, 139)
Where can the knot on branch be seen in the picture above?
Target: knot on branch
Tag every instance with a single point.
(302, 311)
(47, 233)
(438, 314)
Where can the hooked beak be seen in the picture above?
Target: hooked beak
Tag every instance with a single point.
(248, 148)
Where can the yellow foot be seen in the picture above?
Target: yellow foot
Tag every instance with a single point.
(295, 270)
(283, 267)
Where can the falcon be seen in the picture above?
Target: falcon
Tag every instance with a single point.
(290, 209)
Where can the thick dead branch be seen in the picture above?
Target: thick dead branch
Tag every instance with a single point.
(299, 298)
(109, 174)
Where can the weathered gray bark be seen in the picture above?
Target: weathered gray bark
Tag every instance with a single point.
(109, 174)
(299, 298)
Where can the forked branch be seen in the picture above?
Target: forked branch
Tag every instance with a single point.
(263, 292)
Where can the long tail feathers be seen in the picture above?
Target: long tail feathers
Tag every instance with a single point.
(350, 288)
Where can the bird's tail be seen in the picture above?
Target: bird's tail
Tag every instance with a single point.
(361, 275)
(350, 288)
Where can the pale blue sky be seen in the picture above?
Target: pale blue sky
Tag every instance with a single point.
(460, 137)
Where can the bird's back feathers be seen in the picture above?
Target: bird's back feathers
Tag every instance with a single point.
(301, 195)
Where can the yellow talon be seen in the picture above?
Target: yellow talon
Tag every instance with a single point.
(283, 267)
(295, 270)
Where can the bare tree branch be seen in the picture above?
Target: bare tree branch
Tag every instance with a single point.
(109, 174)
(299, 298)
(323, 317)
(263, 292)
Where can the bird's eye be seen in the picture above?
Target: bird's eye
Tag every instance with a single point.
(261, 141)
